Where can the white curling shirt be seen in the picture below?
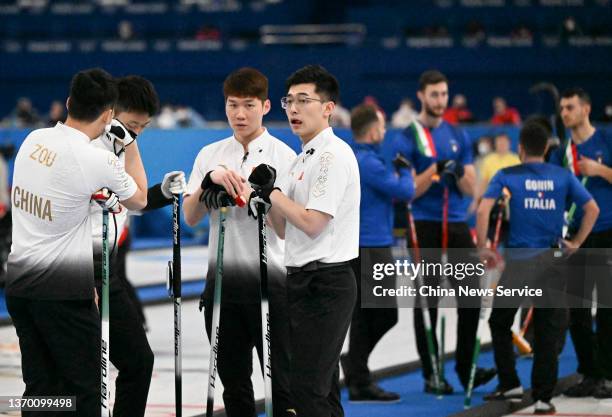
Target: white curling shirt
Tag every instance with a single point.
(324, 177)
(241, 244)
(56, 172)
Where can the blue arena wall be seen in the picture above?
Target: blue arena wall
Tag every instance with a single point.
(195, 78)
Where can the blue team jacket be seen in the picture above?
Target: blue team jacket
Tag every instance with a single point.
(380, 185)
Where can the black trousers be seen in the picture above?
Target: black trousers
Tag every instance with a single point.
(320, 307)
(544, 272)
(239, 332)
(121, 271)
(130, 353)
(430, 240)
(368, 325)
(546, 323)
(590, 270)
(60, 351)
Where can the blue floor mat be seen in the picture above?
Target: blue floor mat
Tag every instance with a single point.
(415, 403)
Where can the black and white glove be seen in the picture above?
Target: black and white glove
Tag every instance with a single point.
(216, 197)
(108, 200)
(173, 183)
(262, 181)
(254, 199)
(450, 170)
(117, 137)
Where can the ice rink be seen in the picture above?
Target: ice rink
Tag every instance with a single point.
(147, 270)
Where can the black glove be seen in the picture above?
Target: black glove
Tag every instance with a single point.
(214, 198)
(262, 180)
(449, 169)
(208, 183)
(262, 177)
(401, 163)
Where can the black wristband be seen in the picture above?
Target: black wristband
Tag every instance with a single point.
(156, 199)
(207, 181)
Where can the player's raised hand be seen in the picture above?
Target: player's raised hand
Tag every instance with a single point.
(118, 137)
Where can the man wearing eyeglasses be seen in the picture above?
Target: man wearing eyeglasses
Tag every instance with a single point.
(316, 209)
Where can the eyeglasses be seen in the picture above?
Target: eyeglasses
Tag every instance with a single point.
(299, 102)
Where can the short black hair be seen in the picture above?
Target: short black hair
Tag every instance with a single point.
(533, 138)
(246, 82)
(577, 91)
(362, 118)
(92, 92)
(137, 95)
(326, 85)
(431, 77)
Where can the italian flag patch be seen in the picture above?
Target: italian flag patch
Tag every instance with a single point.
(570, 158)
(424, 140)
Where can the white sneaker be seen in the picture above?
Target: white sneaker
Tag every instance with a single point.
(543, 408)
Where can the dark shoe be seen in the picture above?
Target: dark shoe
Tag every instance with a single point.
(372, 394)
(483, 376)
(584, 388)
(603, 390)
(430, 387)
(502, 394)
(543, 408)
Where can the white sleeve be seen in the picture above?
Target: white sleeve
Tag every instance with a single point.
(197, 173)
(328, 179)
(104, 169)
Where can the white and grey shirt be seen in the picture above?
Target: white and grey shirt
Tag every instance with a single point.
(324, 177)
(56, 172)
(241, 248)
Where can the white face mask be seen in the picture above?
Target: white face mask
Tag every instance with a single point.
(483, 148)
